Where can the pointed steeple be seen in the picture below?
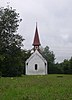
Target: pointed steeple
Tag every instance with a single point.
(36, 41)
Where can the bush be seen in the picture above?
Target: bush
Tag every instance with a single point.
(0, 74)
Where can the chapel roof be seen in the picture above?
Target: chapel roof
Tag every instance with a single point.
(36, 53)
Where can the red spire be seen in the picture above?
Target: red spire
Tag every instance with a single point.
(36, 41)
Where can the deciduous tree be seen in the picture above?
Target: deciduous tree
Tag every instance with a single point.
(10, 42)
(50, 57)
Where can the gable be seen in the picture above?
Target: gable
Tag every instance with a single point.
(36, 53)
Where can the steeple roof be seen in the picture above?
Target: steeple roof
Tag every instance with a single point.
(36, 41)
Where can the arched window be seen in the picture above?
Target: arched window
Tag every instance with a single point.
(36, 66)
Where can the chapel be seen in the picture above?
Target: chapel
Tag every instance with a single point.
(36, 63)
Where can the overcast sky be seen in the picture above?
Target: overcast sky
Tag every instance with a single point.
(54, 18)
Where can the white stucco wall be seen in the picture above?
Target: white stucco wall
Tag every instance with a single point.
(41, 68)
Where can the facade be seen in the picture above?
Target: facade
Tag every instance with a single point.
(36, 64)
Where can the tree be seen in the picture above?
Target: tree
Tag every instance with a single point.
(65, 67)
(25, 55)
(10, 42)
(50, 57)
(70, 62)
(9, 22)
(59, 68)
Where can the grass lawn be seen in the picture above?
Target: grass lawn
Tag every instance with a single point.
(49, 87)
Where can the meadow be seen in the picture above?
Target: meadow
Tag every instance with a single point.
(48, 87)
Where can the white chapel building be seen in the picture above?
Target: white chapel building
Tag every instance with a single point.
(36, 64)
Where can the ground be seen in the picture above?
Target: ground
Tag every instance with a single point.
(49, 87)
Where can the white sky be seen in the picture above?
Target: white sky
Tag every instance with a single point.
(54, 18)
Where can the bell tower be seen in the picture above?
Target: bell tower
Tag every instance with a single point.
(36, 42)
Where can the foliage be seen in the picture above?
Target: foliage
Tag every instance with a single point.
(25, 55)
(65, 67)
(49, 87)
(50, 57)
(59, 68)
(10, 43)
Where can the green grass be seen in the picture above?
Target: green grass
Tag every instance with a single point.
(49, 87)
